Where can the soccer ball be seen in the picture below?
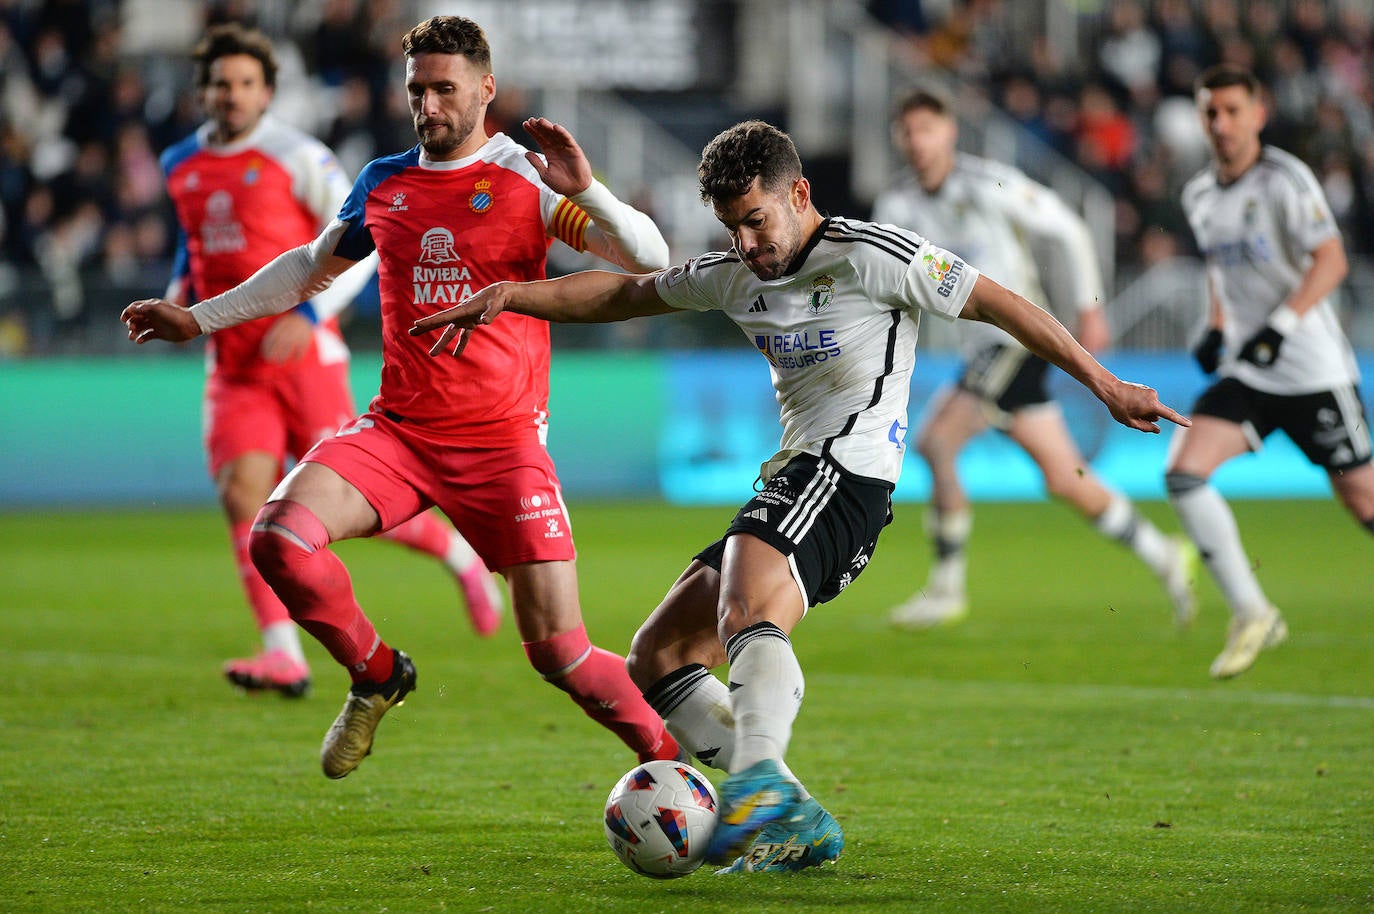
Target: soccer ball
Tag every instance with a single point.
(659, 818)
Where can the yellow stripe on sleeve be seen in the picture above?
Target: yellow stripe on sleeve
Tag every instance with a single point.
(570, 224)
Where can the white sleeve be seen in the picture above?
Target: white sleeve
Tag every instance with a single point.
(697, 285)
(285, 282)
(1047, 221)
(1305, 214)
(342, 291)
(320, 183)
(934, 280)
(619, 233)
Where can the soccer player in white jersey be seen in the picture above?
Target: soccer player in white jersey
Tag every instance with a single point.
(991, 214)
(834, 305)
(1274, 257)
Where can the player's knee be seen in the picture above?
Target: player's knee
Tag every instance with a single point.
(932, 447)
(1361, 507)
(559, 657)
(639, 662)
(284, 533)
(1177, 484)
(1061, 485)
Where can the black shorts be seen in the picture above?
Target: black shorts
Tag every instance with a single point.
(1329, 426)
(824, 519)
(1006, 379)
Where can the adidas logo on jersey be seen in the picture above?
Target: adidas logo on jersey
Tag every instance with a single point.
(758, 306)
(758, 514)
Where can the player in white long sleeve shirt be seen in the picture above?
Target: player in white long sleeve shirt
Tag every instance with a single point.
(1274, 258)
(834, 306)
(991, 214)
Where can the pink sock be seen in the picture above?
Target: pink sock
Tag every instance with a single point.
(267, 609)
(597, 681)
(289, 547)
(424, 533)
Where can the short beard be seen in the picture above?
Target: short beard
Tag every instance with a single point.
(448, 141)
(441, 146)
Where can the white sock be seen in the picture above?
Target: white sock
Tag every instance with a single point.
(949, 532)
(766, 689)
(702, 722)
(285, 637)
(460, 556)
(1123, 523)
(1208, 520)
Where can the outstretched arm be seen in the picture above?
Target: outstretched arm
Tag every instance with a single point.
(1133, 405)
(619, 233)
(285, 282)
(591, 297)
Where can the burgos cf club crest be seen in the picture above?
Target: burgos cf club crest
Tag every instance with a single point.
(481, 199)
(822, 293)
(436, 246)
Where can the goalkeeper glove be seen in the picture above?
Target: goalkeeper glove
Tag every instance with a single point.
(1207, 353)
(1262, 349)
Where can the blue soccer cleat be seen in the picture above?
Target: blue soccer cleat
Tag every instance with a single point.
(808, 837)
(749, 800)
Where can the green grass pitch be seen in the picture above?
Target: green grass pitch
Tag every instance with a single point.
(1062, 750)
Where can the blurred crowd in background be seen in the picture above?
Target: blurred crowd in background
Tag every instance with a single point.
(1123, 109)
(88, 101)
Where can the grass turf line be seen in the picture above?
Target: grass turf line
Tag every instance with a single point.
(1061, 750)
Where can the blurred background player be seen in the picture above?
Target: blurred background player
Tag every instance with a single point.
(994, 216)
(1274, 257)
(447, 217)
(247, 187)
(855, 292)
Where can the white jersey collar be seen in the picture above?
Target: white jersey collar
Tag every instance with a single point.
(456, 164)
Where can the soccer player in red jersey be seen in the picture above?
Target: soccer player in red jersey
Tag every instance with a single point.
(458, 211)
(247, 187)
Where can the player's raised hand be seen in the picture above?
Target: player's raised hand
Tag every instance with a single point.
(158, 319)
(288, 339)
(461, 319)
(564, 167)
(1137, 406)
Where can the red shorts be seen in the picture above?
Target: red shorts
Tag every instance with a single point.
(283, 413)
(505, 501)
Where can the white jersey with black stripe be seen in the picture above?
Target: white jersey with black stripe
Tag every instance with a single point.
(992, 214)
(1257, 234)
(839, 332)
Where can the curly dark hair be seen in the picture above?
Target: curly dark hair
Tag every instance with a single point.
(749, 150)
(232, 38)
(449, 35)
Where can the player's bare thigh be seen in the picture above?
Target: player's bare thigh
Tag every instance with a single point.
(681, 630)
(342, 509)
(1205, 445)
(756, 585)
(1040, 431)
(956, 416)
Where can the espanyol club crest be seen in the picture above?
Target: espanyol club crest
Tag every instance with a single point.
(481, 199)
(822, 293)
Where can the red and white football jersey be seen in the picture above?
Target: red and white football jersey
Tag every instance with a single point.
(241, 204)
(444, 230)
